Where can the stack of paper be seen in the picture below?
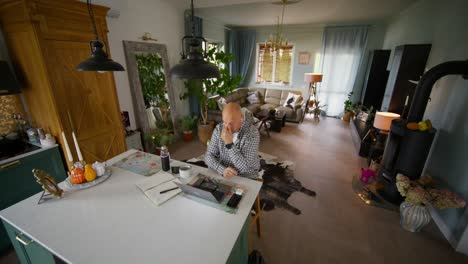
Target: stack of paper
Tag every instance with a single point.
(154, 185)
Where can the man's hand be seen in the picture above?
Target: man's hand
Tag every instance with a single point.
(229, 172)
(226, 135)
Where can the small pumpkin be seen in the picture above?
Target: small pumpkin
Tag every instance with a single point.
(90, 173)
(77, 176)
(412, 126)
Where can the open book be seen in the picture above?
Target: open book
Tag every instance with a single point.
(154, 185)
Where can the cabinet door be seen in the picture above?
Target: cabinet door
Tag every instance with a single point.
(18, 182)
(87, 101)
(27, 250)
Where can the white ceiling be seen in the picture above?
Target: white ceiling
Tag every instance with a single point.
(262, 12)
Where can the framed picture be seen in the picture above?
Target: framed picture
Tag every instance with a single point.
(304, 57)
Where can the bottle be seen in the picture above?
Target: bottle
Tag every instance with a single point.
(165, 159)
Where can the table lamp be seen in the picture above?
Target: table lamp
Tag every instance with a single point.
(383, 121)
(312, 79)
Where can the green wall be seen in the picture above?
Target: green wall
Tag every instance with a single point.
(444, 24)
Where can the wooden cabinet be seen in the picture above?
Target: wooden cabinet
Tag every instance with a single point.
(18, 182)
(46, 40)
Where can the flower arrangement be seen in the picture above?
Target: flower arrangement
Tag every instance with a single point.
(424, 192)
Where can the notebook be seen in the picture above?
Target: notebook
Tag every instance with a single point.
(157, 183)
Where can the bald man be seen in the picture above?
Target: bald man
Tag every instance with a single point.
(233, 149)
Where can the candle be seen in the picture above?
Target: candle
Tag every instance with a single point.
(67, 148)
(80, 157)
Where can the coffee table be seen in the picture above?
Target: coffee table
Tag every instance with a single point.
(277, 120)
(263, 118)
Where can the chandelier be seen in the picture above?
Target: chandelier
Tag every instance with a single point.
(277, 39)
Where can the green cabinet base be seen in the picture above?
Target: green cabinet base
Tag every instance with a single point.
(27, 250)
(18, 182)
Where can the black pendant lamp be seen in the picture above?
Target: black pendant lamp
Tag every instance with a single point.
(193, 64)
(99, 60)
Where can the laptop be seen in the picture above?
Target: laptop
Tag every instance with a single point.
(205, 189)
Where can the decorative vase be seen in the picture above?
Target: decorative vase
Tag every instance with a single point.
(414, 217)
(187, 136)
(205, 131)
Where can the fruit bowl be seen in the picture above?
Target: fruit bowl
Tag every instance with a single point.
(85, 185)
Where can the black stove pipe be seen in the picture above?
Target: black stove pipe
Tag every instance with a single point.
(424, 88)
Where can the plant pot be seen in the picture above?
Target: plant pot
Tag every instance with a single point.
(187, 136)
(347, 116)
(414, 217)
(205, 131)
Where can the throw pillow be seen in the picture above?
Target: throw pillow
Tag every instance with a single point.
(253, 97)
(291, 100)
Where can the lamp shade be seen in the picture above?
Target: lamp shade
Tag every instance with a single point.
(99, 60)
(195, 67)
(383, 120)
(312, 77)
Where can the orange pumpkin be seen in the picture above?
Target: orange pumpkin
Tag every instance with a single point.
(77, 176)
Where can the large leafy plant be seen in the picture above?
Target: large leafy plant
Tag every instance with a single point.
(152, 79)
(203, 89)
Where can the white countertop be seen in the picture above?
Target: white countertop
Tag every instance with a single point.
(114, 222)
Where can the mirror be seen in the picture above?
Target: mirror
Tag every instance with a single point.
(152, 93)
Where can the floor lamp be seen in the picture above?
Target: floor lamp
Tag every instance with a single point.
(312, 79)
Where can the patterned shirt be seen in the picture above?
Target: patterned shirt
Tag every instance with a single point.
(243, 155)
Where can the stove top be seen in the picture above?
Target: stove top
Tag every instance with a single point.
(12, 148)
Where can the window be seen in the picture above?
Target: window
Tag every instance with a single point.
(274, 67)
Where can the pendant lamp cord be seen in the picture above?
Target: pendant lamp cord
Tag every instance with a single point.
(192, 19)
(91, 16)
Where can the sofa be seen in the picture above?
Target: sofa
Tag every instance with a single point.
(269, 99)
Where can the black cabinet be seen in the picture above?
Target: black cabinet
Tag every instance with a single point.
(408, 64)
(376, 79)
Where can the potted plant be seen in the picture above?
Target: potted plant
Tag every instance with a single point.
(159, 137)
(203, 89)
(349, 107)
(414, 214)
(187, 123)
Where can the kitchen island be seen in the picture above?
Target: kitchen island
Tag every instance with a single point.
(114, 222)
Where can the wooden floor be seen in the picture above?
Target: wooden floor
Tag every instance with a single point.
(334, 227)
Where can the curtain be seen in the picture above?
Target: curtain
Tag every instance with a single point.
(194, 104)
(343, 50)
(242, 46)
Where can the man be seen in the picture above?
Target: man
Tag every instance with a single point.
(233, 149)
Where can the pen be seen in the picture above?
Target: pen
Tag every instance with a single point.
(168, 190)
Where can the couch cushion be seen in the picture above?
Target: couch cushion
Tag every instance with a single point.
(253, 108)
(273, 96)
(285, 93)
(268, 106)
(288, 111)
(242, 95)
